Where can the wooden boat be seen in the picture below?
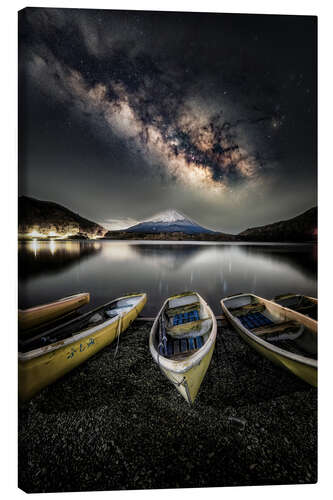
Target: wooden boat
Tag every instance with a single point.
(286, 337)
(35, 316)
(48, 356)
(300, 303)
(182, 341)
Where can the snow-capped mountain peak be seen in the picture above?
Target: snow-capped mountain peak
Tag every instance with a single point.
(169, 215)
(168, 221)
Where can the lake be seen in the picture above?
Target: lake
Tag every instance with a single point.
(49, 270)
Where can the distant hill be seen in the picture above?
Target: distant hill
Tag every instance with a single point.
(169, 221)
(46, 217)
(303, 227)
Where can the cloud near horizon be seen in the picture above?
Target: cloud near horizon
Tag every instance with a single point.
(116, 224)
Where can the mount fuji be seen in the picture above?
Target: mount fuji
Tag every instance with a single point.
(169, 221)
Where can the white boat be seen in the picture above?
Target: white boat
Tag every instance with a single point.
(182, 341)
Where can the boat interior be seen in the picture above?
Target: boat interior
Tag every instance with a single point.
(184, 327)
(299, 303)
(271, 324)
(98, 316)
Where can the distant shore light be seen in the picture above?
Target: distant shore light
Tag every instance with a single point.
(36, 234)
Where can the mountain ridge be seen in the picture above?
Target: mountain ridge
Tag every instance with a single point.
(49, 216)
(302, 227)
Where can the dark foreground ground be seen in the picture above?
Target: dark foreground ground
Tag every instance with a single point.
(119, 424)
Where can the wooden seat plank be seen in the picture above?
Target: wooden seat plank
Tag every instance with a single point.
(277, 327)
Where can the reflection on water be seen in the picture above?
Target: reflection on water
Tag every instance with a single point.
(53, 269)
(301, 257)
(167, 256)
(45, 257)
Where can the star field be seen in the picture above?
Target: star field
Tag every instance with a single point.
(212, 114)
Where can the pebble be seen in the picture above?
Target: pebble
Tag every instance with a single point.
(123, 420)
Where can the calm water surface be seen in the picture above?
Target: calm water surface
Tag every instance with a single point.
(108, 269)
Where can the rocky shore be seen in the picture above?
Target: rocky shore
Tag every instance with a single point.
(117, 423)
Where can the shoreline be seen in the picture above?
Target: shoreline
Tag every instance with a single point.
(171, 242)
(117, 423)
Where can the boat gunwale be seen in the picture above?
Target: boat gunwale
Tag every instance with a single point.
(40, 351)
(271, 347)
(184, 365)
(54, 303)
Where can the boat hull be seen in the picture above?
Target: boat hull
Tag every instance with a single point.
(35, 316)
(36, 373)
(302, 367)
(186, 374)
(188, 383)
(301, 370)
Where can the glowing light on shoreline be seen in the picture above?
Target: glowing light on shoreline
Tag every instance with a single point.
(36, 234)
(54, 236)
(51, 234)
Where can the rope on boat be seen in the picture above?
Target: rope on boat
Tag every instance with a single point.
(174, 381)
(118, 334)
(119, 330)
(162, 343)
(178, 383)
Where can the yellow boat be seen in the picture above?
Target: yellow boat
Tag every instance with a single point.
(302, 304)
(45, 313)
(182, 341)
(286, 337)
(50, 355)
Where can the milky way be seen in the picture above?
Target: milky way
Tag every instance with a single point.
(196, 99)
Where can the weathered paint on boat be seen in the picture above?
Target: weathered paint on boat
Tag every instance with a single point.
(189, 382)
(35, 316)
(303, 367)
(45, 365)
(188, 373)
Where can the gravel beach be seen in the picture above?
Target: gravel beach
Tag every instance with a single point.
(117, 423)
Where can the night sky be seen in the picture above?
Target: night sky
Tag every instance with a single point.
(124, 114)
